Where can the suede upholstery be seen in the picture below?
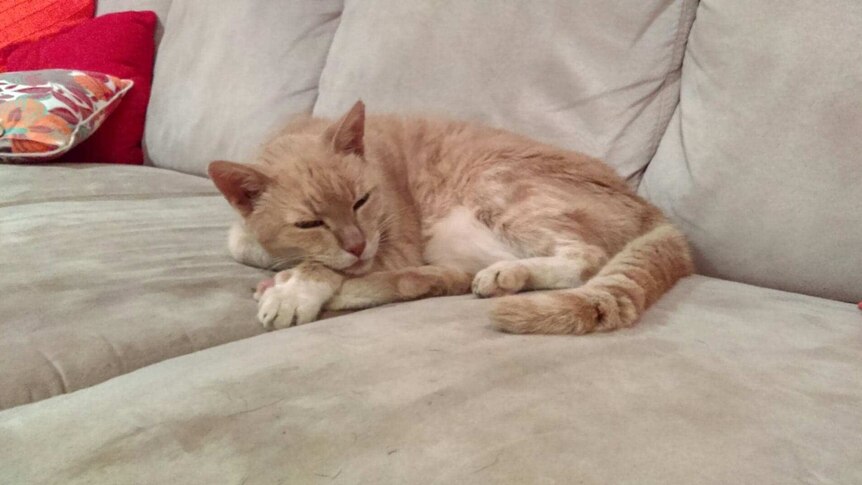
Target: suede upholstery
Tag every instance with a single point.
(721, 383)
(761, 163)
(601, 78)
(260, 67)
(110, 268)
(116, 283)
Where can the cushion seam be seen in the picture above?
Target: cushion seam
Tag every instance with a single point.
(680, 43)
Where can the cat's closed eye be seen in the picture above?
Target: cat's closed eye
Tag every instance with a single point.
(359, 203)
(308, 224)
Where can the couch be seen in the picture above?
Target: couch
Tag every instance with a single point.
(129, 348)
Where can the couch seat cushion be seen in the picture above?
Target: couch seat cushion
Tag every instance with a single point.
(107, 269)
(721, 383)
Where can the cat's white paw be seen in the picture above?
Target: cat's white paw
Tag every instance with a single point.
(295, 302)
(501, 278)
(279, 278)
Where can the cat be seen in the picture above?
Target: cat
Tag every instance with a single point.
(388, 209)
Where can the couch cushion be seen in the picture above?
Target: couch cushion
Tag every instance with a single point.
(228, 73)
(598, 77)
(721, 383)
(107, 269)
(83, 182)
(761, 162)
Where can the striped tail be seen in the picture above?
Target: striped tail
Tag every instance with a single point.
(626, 286)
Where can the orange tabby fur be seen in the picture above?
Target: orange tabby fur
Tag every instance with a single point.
(453, 206)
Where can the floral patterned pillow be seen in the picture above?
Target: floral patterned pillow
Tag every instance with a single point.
(44, 114)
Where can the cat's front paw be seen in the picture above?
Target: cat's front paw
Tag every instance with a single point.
(501, 278)
(295, 302)
(264, 285)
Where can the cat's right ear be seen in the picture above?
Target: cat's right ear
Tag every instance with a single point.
(240, 184)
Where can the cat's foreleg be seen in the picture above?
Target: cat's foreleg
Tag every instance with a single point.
(296, 297)
(571, 266)
(380, 288)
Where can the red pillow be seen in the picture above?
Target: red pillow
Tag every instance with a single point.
(121, 45)
(29, 20)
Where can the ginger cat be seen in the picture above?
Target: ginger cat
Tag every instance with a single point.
(392, 209)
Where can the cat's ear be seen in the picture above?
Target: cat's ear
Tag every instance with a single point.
(346, 134)
(240, 184)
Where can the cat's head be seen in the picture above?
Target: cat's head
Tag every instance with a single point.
(315, 199)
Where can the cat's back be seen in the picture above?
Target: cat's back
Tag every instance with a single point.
(460, 151)
(430, 135)
(449, 144)
(440, 152)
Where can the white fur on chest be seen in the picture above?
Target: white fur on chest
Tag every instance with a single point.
(460, 240)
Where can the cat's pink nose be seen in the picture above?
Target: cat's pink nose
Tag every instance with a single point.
(356, 249)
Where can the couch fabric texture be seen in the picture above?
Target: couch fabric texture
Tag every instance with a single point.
(600, 78)
(107, 269)
(262, 64)
(760, 166)
(116, 279)
(721, 383)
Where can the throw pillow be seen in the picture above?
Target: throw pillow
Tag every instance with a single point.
(44, 114)
(121, 45)
(26, 21)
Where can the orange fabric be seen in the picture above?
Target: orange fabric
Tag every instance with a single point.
(29, 20)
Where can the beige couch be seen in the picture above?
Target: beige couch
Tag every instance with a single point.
(741, 119)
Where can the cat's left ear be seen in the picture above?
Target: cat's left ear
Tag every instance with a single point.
(347, 133)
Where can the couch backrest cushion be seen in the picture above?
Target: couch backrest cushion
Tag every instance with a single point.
(762, 162)
(228, 73)
(597, 77)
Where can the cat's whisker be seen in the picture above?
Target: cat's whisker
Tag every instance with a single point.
(284, 263)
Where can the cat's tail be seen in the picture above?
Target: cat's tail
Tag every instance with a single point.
(628, 284)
